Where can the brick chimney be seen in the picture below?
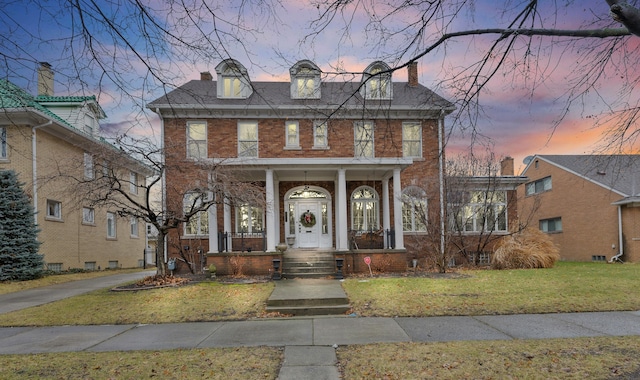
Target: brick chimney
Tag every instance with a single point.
(412, 74)
(506, 166)
(45, 79)
(205, 75)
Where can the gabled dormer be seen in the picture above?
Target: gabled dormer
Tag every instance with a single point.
(233, 80)
(305, 80)
(377, 82)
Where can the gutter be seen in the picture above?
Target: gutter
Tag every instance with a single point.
(620, 246)
(34, 168)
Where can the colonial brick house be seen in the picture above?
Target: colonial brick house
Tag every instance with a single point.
(46, 138)
(345, 166)
(588, 204)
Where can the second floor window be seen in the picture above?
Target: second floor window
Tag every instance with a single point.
(196, 139)
(111, 225)
(551, 225)
(320, 139)
(133, 182)
(411, 139)
(88, 166)
(247, 139)
(133, 224)
(538, 186)
(364, 139)
(293, 134)
(3, 143)
(88, 215)
(54, 209)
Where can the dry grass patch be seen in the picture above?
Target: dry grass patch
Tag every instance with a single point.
(568, 287)
(206, 301)
(223, 363)
(580, 358)
(527, 249)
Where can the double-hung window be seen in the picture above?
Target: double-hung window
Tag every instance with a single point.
(320, 139)
(538, 186)
(133, 182)
(4, 154)
(247, 139)
(88, 166)
(54, 209)
(196, 139)
(292, 130)
(364, 209)
(249, 219)
(111, 225)
(364, 139)
(480, 211)
(411, 139)
(198, 224)
(88, 215)
(133, 224)
(414, 210)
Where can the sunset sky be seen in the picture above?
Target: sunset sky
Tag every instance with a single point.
(520, 108)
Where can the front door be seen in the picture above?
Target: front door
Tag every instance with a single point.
(308, 225)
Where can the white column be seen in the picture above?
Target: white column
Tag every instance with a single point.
(271, 223)
(213, 227)
(342, 238)
(386, 214)
(397, 209)
(227, 223)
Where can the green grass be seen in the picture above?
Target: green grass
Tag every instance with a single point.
(568, 287)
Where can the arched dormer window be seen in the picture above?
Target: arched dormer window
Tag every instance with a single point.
(305, 80)
(233, 80)
(377, 78)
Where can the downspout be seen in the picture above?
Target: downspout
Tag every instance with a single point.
(441, 178)
(34, 168)
(164, 178)
(620, 247)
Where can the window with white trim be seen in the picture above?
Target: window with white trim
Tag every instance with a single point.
(111, 225)
(364, 139)
(54, 209)
(249, 219)
(480, 211)
(247, 139)
(4, 153)
(233, 80)
(378, 85)
(88, 166)
(551, 225)
(88, 215)
(198, 224)
(305, 80)
(538, 186)
(196, 139)
(320, 139)
(292, 130)
(411, 139)
(133, 224)
(414, 209)
(133, 182)
(365, 209)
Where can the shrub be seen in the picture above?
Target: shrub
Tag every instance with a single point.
(530, 248)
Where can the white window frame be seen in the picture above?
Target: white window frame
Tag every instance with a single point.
(133, 224)
(306, 87)
(112, 226)
(198, 224)
(473, 217)
(89, 172)
(249, 219)
(247, 145)
(196, 140)
(378, 85)
(4, 151)
(133, 182)
(54, 209)
(365, 210)
(411, 142)
(320, 135)
(364, 142)
(538, 186)
(292, 134)
(414, 209)
(88, 216)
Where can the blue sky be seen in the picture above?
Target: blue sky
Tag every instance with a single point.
(517, 121)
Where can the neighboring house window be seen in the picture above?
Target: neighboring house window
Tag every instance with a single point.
(198, 224)
(364, 209)
(411, 139)
(320, 139)
(133, 182)
(111, 225)
(293, 134)
(364, 139)
(196, 139)
(88, 215)
(551, 225)
(133, 223)
(414, 210)
(481, 211)
(249, 219)
(247, 139)
(538, 186)
(54, 209)
(88, 123)
(4, 154)
(88, 166)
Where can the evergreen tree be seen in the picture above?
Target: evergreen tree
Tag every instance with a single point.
(19, 258)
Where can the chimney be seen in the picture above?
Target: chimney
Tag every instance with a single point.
(413, 74)
(205, 75)
(45, 79)
(506, 166)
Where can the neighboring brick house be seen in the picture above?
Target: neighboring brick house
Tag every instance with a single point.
(40, 137)
(588, 204)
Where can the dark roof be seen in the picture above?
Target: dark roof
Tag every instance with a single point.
(620, 173)
(199, 93)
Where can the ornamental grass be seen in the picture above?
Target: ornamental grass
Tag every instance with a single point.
(527, 249)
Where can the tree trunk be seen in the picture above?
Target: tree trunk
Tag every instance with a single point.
(160, 264)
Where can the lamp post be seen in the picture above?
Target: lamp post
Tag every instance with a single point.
(339, 265)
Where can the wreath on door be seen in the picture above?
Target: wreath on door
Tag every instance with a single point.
(307, 219)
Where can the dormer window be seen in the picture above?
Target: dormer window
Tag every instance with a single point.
(305, 80)
(377, 82)
(233, 80)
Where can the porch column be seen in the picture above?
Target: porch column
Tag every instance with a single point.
(271, 223)
(227, 224)
(386, 214)
(397, 209)
(342, 239)
(213, 227)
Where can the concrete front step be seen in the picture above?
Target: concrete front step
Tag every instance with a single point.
(309, 310)
(308, 264)
(308, 297)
